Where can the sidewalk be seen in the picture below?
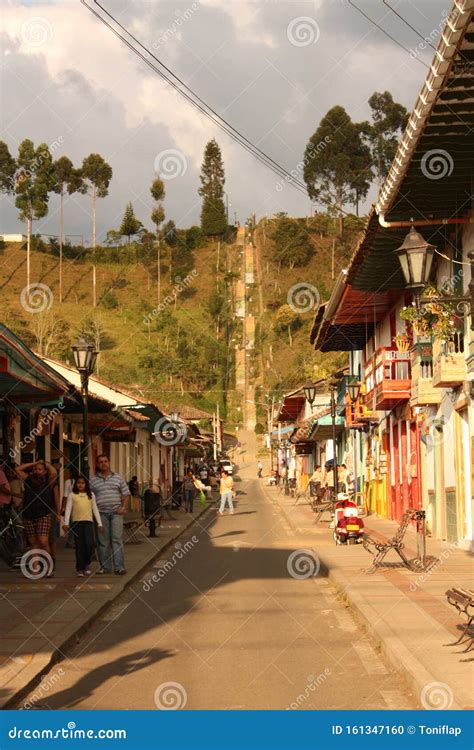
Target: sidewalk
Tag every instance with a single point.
(39, 618)
(406, 613)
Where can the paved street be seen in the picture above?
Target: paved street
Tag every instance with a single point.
(230, 627)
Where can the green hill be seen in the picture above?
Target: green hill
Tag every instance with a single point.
(173, 352)
(286, 355)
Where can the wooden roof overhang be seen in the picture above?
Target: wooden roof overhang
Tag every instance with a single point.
(438, 185)
(372, 285)
(290, 408)
(24, 377)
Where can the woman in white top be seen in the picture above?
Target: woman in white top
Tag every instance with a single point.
(81, 505)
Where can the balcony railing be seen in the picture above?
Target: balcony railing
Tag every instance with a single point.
(449, 363)
(423, 391)
(388, 378)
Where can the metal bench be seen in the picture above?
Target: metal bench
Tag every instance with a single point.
(463, 601)
(396, 543)
(132, 522)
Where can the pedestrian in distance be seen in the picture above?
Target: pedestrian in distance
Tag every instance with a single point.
(260, 469)
(152, 506)
(189, 491)
(112, 495)
(81, 506)
(226, 487)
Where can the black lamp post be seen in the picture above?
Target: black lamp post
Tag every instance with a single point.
(174, 418)
(416, 259)
(85, 357)
(333, 390)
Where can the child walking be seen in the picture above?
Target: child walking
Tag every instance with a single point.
(81, 505)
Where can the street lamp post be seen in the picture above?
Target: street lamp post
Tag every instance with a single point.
(416, 259)
(84, 357)
(332, 391)
(174, 417)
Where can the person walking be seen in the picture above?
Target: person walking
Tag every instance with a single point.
(227, 484)
(112, 494)
(82, 506)
(189, 491)
(40, 504)
(68, 485)
(260, 469)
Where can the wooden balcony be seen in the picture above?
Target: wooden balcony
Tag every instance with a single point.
(449, 363)
(359, 416)
(387, 376)
(423, 391)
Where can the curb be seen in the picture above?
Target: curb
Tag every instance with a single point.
(73, 634)
(384, 637)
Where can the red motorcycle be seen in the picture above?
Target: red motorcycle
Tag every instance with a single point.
(348, 527)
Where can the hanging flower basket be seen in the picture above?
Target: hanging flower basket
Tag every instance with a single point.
(402, 342)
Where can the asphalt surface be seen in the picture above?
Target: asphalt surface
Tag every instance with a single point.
(232, 620)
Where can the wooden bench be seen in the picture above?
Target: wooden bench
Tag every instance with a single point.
(396, 543)
(463, 601)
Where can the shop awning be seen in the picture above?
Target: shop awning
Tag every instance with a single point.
(322, 429)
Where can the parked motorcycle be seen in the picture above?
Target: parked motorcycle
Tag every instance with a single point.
(348, 527)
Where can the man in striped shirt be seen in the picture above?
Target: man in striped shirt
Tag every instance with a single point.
(112, 494)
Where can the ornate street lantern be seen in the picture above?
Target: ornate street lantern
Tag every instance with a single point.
(416, 258)
(309, 392)
(353, 389)
(84, 356)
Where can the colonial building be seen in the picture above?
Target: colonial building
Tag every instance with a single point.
(412, 426)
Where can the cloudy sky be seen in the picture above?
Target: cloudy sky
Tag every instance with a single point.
(271, 68)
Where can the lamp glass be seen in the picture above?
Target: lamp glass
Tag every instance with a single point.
(417, 262)
(402, 257)
(353, 389)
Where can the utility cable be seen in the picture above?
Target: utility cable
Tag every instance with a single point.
(374, 23)
(226, 127)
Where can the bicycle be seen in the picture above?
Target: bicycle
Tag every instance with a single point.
(10, 532)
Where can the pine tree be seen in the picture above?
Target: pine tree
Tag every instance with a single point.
(130, 224)
(213, 213)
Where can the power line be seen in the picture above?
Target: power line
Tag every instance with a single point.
(399, 44)
(200, 105)
(408, 24)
